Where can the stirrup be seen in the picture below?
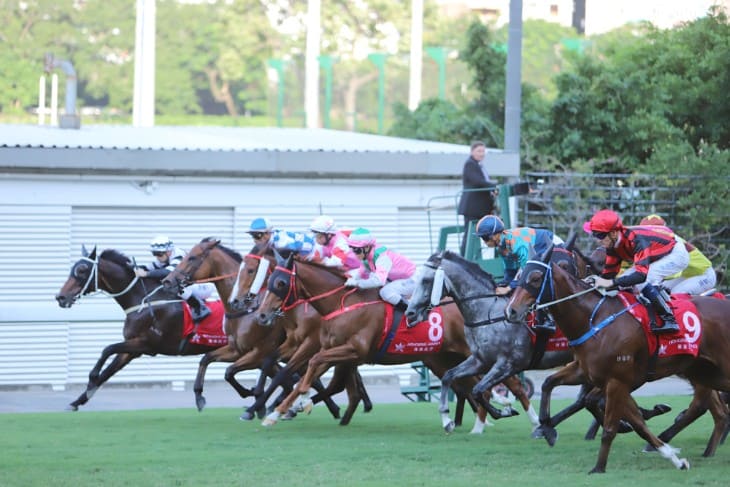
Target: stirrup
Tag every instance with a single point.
(549, 327)
(201, 314)
(666, 329)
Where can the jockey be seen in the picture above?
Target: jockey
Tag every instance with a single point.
(699, 276)
(381, 266)
(332, 250)
(263, 233)
(654, 256)
(513, 246)
(167, 257)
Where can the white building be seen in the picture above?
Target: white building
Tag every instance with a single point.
(117, 187)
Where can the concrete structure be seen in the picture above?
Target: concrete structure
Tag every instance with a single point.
(117, 187)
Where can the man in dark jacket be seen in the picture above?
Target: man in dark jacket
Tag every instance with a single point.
(477, 198)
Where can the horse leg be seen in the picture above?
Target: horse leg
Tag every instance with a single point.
(125, 352)
(702, 400)
(248, 361)
(514, 384)
(222, 354)
(570, 374)
(326, 394)
(620, 404)
(318, 365)
(351, 379)
(469, 367)
(282, 378)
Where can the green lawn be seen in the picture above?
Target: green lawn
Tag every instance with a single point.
(395, 444)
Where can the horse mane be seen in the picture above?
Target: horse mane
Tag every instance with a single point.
(230, 252)
(337, 271)
(472, 268)
(117, 257)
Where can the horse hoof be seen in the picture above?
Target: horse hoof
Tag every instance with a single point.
(649, 449)
(246, 416)
(72, 407)
(624, 427)
(449, 428)
(290, 414)
(268, 422)
(662, 409)
(550, 434)
(261, 413)
(538, 434)
(307, 407)
(200, 403)
(684, 464)
(508, 412)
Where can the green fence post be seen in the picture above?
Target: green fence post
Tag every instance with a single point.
(378, 59)
(278, 65)
(439, 54)
(325, 62)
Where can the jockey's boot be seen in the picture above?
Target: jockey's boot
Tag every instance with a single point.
(198, 309)
(662, 309)
(544, 322)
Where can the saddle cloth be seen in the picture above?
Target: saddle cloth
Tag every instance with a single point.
(208, 332)
(424, 337)
(684, 342)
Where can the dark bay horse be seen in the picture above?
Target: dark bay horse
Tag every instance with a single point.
(613, 351)
(352, 327)
(250, 346)
(152, 328)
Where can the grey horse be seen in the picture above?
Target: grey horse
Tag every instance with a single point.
(499, 348)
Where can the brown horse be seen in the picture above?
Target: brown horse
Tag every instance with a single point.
(614, 351)
(152, 328)
(302, 325)
(250, 345)
(352, 327)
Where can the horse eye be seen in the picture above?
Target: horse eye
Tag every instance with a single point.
(81, 271)
(534, 278)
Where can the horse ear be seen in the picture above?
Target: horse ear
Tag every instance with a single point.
(571, 241)
(84, 252)
(548, 253)
(531, 254)
(290, 261)
(92, 255)
(280, 261)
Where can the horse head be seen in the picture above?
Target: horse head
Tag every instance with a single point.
(110, 272)
(195, 265)
(533, 287)
(252, 273)
(429, 288)
(280, 290)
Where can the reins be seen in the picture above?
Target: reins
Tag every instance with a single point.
(216, 278)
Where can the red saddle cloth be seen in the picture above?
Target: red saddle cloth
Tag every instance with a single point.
(424, 337)
(209, 331)
(556, 343)
(684, 342)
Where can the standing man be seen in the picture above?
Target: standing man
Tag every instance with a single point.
(477, 197)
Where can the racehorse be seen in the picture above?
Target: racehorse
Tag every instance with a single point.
(619, 356)
(249, 345)
(151, 327)
(498, 348)
(302, 325)
(352, 329)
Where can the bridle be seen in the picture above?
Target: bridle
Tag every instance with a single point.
(187, 275)
(94, 276)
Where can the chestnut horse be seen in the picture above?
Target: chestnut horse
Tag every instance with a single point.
(302, 325)
(613, 350)
(152, 328)
(249, 345)
(352, 326)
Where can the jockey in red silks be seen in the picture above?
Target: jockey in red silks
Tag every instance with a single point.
(654, 256)
(381, 266)
(332, 249)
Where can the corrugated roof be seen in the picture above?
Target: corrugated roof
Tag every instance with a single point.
(177, 138)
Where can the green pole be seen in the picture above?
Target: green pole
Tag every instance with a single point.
(378, 59)
(439, 54)
(278, 65)
(326, 62)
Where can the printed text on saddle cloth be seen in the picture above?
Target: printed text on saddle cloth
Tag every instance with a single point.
(426, 337)
(209, 331)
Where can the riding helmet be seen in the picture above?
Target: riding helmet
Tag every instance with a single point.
(489, 225)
